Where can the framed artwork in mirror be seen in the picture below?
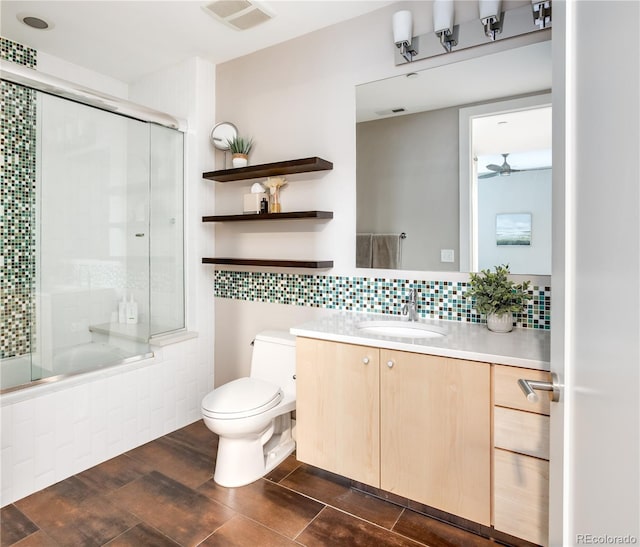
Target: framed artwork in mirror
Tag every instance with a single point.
(513, 229)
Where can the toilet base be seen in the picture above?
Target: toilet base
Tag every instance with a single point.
(243, 461)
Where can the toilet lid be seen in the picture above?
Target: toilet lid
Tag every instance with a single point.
(241, 398)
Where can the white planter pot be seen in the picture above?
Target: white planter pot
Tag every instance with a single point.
(500, 323)
(239, 160)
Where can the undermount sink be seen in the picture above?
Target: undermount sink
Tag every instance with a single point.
(402, 329)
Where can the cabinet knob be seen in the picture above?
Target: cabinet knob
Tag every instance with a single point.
(390, 364)
(365, 360)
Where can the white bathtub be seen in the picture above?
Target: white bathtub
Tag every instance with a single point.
(25, 371)
(59, 426)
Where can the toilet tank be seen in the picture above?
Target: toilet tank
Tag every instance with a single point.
(274, 359)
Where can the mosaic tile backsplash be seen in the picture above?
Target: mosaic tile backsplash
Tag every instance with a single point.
(17, 205)
(436, 299)
(17, 53)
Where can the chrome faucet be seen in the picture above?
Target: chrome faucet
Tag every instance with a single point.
(410, 308)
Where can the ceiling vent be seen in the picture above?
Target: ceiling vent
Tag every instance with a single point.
(239, 14)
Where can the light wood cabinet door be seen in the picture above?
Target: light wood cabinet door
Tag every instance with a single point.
(521, 496)
(338, 408)
(435, 432)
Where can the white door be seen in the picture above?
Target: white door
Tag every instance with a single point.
(595, 473)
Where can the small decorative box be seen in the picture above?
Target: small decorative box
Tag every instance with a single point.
(252, 203)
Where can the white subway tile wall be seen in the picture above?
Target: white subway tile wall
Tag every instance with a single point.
(53, 431)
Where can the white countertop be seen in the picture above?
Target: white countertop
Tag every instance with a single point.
(528, 348)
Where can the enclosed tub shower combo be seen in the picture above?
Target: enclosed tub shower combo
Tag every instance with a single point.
(92, 207)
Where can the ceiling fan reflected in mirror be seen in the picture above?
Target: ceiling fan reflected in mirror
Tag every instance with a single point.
(505, 169)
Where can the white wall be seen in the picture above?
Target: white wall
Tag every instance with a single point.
(407, 178)
(297, 99)
(525, 192)
(60, 68)
(52, 432)
(244, 319)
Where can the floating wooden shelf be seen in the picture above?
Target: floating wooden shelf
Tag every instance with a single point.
(289, 167)
(313, 264)
(269, 216)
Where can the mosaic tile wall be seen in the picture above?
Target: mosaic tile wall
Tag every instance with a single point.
(436, 299)
(17, 205)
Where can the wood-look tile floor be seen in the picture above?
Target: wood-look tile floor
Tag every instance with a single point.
(163, 494)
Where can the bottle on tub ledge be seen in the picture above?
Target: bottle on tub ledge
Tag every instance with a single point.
(122, 310)
(132, 311)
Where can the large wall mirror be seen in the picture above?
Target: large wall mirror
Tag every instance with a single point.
(454, 166)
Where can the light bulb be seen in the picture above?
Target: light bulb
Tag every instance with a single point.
(489, 10)
(443, 16)
(402, 27)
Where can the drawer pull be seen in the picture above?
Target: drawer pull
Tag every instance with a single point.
(390, 364)
(528, 387)
(365, 360)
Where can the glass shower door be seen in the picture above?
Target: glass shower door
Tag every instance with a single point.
(167, 249)
(93, 238)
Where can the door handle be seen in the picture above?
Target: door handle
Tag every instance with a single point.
(529, 388)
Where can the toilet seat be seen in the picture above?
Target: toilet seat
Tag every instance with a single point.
(241, 398)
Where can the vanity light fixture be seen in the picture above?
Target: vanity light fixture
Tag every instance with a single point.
(541, 13)
(403, 34)
(490, 17)
(499, 22)
(443, 23)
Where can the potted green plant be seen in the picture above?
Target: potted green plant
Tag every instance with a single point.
(240, 148)
(497, 297)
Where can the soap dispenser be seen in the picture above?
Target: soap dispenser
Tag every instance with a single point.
(132, 311)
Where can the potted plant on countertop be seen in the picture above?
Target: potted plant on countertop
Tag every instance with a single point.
(240, 148)
(498, 297)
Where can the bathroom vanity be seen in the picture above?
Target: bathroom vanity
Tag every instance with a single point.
(435, 417)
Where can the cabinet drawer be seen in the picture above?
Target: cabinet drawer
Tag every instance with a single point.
(521, 496)
(508, 393)
(522, 432)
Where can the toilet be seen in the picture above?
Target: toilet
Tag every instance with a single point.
(252, 416)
